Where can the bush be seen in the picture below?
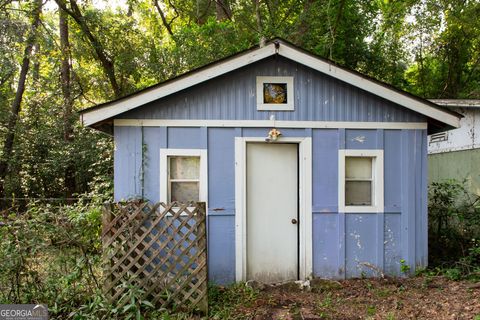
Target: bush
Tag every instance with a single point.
(454, 227)
(50, 254)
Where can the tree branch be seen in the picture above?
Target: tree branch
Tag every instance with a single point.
(164, 19)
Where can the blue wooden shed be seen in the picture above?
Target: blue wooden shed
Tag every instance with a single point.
(308, 169)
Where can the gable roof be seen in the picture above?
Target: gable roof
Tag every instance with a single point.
(441, 118)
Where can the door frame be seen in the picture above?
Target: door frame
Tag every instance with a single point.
(304, 202)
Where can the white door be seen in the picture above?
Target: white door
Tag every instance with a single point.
(272, 212)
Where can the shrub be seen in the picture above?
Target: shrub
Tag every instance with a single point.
(50, 254)
(454, 224)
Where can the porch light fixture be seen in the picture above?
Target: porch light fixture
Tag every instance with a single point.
(273, 135)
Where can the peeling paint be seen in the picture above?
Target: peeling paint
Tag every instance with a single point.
(360, 139)
(464, 138)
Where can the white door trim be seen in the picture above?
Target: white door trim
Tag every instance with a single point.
(305, 205)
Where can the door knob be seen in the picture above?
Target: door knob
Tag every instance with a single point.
(294, 221)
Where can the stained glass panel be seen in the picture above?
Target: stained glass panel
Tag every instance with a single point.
(275, 93)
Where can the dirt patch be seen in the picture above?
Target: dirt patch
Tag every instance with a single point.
(415, 298)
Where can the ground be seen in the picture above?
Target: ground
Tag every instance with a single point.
(425, 297)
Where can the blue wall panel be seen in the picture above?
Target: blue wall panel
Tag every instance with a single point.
(154, 139)
(221, 170)
(341, 242)
(360, 244)
(392, 170)
(360, 139)
(221, 249)
(185, 138)
(325, 245)
(421, 216)
(392, 243)
(128, 163)
(325, 170)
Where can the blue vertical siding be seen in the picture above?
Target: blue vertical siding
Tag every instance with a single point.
(127, 171)
(185, 138)
(221, 249)
(318, 97)
(361, 139)
(360, 244)
(392, 243)
(344, 244)
(221, 170)
(392, 170)
(325, 170)
(154, 139)
(325, 245)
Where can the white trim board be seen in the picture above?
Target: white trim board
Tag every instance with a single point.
(268, 123)
(305, 205)
(90, 117)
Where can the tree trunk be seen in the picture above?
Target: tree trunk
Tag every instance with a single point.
(164, 19)
(106, 61)
(17, 101)
(223, 10)
(69, 174)
(258, 18)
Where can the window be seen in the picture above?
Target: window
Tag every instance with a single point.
(275, 93)
(361, 181)
(183, 175)
(183, 178)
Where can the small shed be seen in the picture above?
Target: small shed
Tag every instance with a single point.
(308, 169)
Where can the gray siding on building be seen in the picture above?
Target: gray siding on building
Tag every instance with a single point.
(318, 97)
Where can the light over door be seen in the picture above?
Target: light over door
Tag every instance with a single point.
(272, 212)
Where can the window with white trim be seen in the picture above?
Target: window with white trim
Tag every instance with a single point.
(361, 186)
(275, 93)
(183, 175)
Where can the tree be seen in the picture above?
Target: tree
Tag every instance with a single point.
(17, 101)
(106, 61)
(67, 98)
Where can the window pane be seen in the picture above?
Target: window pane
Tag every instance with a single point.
(358, 193)
(184, 191)
(274, 93)
(184, 167)
(358, 168)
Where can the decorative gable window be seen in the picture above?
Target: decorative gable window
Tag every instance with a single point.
(361, 181)
(275, 94)
(183, 175)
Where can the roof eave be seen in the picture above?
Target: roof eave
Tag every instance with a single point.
(97, 114)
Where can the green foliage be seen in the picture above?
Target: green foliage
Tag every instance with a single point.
(50, 255)
(454, 216)
(224, 301)
(404, 268)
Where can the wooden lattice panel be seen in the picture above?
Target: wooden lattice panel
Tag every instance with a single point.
(160, 249)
